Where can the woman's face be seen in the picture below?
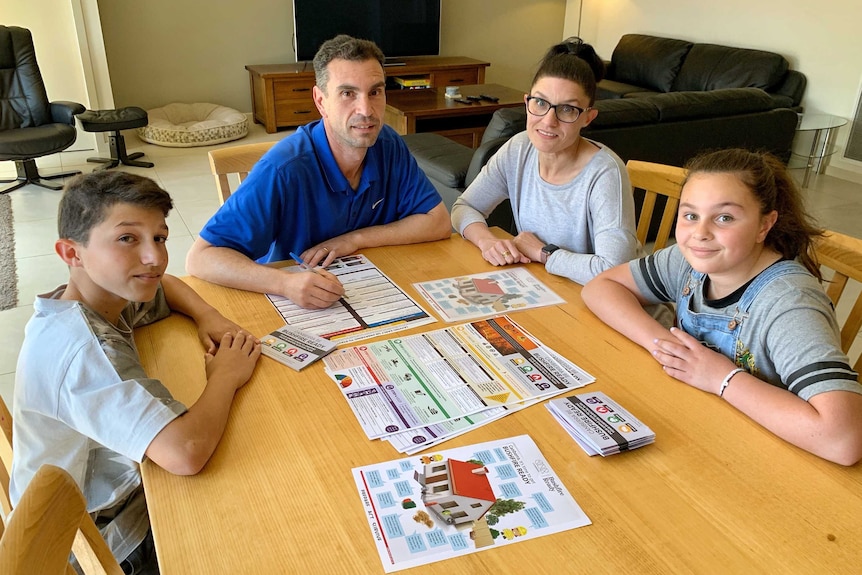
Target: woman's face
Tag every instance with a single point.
(547, 133)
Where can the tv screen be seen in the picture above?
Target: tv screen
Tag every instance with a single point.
(400, 27)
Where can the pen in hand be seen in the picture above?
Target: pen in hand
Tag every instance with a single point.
(302, 264)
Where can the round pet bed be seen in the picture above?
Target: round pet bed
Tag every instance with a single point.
(188, 125)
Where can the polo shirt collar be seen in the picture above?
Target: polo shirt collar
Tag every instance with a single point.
(335, 180)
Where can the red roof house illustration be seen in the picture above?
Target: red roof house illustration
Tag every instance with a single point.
(456, 491)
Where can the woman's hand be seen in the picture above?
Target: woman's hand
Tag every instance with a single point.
(501, 252)
(528, 244)
(686, 359)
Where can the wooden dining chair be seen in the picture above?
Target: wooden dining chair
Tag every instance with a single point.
(89, 546)
(41, 533)
(656, 180)
(843, 255)
(234, 160)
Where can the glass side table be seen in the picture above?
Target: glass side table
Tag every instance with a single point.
(824, 127)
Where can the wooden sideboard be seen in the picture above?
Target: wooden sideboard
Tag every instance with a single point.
(281, 93)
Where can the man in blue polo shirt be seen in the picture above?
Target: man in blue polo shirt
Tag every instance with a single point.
(335, 186)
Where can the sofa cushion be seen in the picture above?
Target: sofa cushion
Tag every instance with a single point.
(712, 67)
(505, 123)
(440, 158)
(648, 61)
(611, 89)
(623, 112)
(689, 105)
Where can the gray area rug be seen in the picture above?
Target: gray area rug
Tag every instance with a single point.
(8, 274)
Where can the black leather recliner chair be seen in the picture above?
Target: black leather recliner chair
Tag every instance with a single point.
(30, 126)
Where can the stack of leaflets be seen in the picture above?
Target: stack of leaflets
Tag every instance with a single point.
(294, 347)
(599, 425)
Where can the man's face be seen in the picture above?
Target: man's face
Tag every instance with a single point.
(354, 103)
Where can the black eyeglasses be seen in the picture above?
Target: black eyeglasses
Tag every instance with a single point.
(565, 112)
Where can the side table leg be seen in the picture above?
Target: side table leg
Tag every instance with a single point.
(812, 155)
(824, 150)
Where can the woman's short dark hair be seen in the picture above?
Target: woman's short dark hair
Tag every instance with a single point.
(87, 198)
(575, 60)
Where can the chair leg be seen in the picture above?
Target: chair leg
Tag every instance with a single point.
(28, 173)
(118, 155)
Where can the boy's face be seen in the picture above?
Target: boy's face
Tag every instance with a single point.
(125, 256)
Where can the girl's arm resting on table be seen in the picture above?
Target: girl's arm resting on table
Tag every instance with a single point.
(616, 300)
(828, 425)
(185, 445)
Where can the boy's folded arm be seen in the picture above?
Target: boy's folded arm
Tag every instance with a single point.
(185, 445)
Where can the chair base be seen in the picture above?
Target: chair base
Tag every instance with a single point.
(119, 155)
(28, 173)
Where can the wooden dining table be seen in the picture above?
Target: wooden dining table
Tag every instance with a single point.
(715, 493)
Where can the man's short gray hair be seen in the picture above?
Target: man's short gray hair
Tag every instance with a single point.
(343, 47)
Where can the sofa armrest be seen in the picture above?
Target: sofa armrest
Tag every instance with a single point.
(481, 156)
(64, 112)
(792, 85)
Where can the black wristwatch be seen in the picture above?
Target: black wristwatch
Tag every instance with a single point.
(549, 249)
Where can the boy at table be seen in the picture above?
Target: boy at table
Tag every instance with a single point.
(337, 185)
(82, 400)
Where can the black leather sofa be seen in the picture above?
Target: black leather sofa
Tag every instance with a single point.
(728, 97)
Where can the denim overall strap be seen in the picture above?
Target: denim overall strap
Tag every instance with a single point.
(720, 331)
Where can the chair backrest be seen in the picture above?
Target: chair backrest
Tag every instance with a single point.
(234, 160)
(90, 549)
(656, 180)
(5, 460)
(23, 99)
(843, 254)
(40, 535)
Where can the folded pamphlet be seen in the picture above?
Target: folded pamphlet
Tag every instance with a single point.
(599, 424)
(294, 347)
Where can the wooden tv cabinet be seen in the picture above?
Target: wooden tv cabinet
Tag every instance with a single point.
(281, 93)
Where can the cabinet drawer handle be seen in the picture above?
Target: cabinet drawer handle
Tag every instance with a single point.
(301, 89)
(302, 111)
(454, 80)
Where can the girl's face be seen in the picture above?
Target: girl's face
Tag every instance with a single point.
(547, 133)
(720, 230)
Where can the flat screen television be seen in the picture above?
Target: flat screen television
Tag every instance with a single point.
(400, 27)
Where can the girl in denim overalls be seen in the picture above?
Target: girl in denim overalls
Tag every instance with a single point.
(754, 325)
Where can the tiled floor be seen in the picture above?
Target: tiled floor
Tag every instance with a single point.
(185, 173)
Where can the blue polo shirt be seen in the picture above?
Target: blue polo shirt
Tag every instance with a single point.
(296, 197)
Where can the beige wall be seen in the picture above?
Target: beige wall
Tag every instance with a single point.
(162, 51)
(819, 39)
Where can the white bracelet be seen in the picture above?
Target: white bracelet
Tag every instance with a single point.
(726, 381)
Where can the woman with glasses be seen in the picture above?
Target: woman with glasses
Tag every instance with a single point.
(571, 198)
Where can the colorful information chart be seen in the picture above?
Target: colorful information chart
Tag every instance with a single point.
(372, 305)
(492, 293)
(418, 381)
(459, 501)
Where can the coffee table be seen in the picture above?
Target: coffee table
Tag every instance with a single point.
(429, 110)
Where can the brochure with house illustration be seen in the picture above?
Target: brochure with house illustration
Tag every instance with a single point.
(600, 425)
(372, 305)
(491, 293)
(429, 378)
(459, 501)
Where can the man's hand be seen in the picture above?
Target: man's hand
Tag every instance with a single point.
(313, 289)
(325, 253)
(688, 360)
